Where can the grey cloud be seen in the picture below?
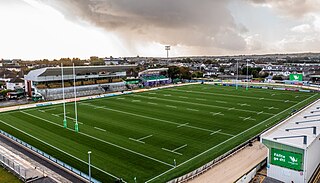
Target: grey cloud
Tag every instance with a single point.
(294, 8)
(203, 23)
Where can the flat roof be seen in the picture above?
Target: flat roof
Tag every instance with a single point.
(296, 128)
(56, 71)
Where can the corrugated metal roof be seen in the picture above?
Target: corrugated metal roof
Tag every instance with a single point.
(301, 125)
(80, 70)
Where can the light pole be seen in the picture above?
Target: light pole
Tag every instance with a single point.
(167, 48)
(89, 152)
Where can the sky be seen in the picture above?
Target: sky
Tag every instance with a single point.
(52, 29)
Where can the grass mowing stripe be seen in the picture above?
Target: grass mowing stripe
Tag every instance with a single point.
(115, 145)
(228, 139)
(206, 105)
(199, 92)
(157, 119)
(58, 149)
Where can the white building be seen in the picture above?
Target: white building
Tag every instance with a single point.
(15, 83)
(294, 146)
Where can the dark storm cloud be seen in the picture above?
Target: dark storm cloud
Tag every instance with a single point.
(201, 23)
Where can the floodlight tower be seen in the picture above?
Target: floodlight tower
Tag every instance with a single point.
(167, 48)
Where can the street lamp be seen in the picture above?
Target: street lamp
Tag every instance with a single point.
(89, 152)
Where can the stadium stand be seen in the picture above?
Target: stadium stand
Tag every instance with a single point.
(93, 80)
(155, 77)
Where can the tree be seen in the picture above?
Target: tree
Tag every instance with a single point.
(221, 69)
(179, 72)
(174, 72)
(197, 74)
(276, 77)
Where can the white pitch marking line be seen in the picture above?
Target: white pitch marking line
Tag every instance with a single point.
(100, 129)
(55, 115)
(286, 101)
(110, 143)
(41, 111)
(167, 95)
(171, 151)
(231, 109)
(216, 113)
(183, 97)
(142, 138)
(261, 98)
(201, 99)
(74, 119)
(50, 109)
(56, 147)
(136, 140)
(189, 109)
(215, 132)
(171, 106)
(243, 104)
(273, 94)
(235, 136)
(222, 102)
(136, 100)
(183, 146)
(222, 133)
(148, 117)
(179, 90)
(260, 112)
(247, 118)
(271, 108)
(214, 106)
(182, 125)
(62, 113)
(120, 98)
(152, 103)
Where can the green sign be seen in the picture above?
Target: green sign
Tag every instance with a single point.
(286, 159)
(296, 77)
(133, 82)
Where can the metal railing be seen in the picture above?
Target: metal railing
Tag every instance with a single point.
(50, 158)
(14, 167)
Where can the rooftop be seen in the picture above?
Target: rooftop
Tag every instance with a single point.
(299, 130)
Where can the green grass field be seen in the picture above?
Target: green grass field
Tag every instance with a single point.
(7, 177)
(141, 135)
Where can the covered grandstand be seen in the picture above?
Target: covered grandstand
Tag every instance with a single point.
(155, 77)
(293, 146)
(92, 80)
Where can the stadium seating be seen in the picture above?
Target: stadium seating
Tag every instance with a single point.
(150, 78)
(57, 93)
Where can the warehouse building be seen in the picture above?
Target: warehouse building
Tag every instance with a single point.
(294, 146)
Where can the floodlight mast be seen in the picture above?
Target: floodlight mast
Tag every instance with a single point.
(167, 48)
(76, 126)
